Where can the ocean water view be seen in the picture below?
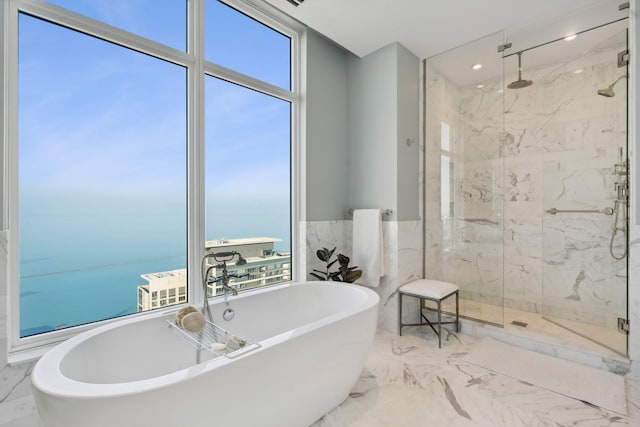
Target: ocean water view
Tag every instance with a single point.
(83, 268)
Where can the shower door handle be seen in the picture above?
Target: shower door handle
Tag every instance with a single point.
(606, 211)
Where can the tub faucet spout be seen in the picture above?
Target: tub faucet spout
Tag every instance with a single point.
(221, 259)
(228, 288)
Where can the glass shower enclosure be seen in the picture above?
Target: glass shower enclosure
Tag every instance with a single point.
(526, 181)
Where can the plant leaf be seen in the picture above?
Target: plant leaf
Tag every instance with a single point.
(331, 253)
(331, 263)
(335, 276)
(323, 254)
(318, 277)
(352, 276)
(343, 259)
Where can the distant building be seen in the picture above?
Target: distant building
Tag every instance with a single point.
(264, 266)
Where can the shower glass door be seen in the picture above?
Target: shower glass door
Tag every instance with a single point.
(463, 167)
(578, 106)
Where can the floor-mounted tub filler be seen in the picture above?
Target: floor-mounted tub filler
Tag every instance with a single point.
(293, 353)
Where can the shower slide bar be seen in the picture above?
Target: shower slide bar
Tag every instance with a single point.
(606, 211)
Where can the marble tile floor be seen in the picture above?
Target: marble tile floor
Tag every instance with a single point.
(408, 381)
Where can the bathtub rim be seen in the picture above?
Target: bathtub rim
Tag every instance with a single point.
(48, 379)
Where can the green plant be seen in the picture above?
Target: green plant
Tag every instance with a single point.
(343, 274)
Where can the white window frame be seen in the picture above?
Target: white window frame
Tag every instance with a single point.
(21, 349)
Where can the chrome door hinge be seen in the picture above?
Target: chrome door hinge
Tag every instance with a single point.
(502, 47)
(623, 58)
(623, 325)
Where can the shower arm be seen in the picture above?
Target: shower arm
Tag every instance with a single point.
(617, 80)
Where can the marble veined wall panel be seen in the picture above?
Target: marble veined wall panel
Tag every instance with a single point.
(634, 301)
(326, 234)
(580, 276)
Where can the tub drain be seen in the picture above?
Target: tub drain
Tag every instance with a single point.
(228, 314)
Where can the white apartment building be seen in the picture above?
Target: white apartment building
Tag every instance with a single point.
(264, 266)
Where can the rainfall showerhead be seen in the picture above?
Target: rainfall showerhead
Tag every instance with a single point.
(608, 92)
(519, 84)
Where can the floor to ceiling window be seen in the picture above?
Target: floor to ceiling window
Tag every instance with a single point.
(129, 121)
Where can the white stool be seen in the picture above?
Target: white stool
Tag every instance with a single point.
(432, 290)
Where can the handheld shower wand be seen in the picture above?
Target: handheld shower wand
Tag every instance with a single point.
(620, 220)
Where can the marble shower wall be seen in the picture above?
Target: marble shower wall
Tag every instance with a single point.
(510, 156)
(402, 252)
(634, 302)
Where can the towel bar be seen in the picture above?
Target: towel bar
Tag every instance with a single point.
(387, 212)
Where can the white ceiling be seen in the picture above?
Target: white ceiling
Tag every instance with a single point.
(428, 27)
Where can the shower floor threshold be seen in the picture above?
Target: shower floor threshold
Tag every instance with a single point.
(545, 337)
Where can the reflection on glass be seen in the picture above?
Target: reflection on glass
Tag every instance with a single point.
(446, 186)
(463, 212)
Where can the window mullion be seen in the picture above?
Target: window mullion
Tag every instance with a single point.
(240, 79)
(195, 138)
(57, 15)
(10, 135)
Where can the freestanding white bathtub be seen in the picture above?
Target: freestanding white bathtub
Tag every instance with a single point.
(313, 341)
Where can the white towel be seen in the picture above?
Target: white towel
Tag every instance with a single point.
(368, 248)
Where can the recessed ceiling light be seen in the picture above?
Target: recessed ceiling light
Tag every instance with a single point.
(578, 71)
(480, 86)
(500, 91)
(571, 37)
(477, 66)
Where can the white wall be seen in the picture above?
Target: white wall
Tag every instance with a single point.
(408, 144)
(372, 129)
(326, 129)
(382, 115)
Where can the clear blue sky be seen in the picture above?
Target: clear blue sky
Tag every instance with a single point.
(97, 116)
